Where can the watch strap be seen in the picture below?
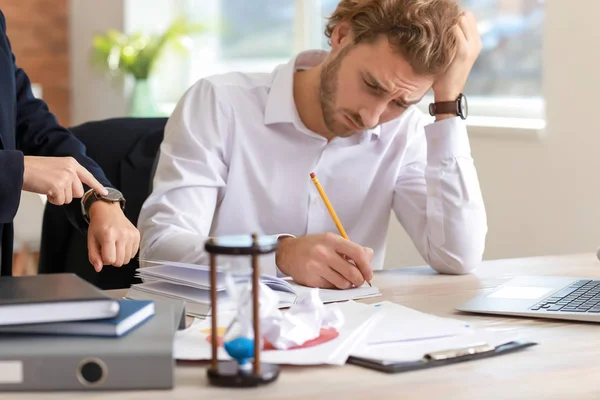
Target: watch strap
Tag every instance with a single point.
(85, 204)
(444, 107)
(457, 107)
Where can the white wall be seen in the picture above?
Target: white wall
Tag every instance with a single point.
(92, 95)
(543, 195)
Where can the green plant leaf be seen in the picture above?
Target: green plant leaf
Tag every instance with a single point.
(137, 53)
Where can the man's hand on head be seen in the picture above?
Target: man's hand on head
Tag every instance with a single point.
(450, 84)
(322, 261)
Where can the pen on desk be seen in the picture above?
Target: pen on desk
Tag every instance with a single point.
(332, 212)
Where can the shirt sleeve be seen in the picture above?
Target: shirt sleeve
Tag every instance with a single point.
(438, 199)
(176, 218)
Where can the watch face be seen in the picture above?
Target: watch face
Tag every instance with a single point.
(463, 107)
(113, 195)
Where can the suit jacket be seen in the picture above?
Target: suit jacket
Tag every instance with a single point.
(28, 128)
(125, 149)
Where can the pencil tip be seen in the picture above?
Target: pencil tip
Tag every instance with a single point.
(312, 175)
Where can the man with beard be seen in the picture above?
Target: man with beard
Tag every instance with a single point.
(239, 149)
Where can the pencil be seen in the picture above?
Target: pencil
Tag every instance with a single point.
(332, 212)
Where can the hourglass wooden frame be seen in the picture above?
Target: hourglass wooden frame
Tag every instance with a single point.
(227, 373)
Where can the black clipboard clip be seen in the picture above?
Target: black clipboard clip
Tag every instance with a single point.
(441, 358)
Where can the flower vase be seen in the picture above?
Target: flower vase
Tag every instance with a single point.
(142, 101)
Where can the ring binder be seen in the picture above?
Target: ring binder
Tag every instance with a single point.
(441, 358)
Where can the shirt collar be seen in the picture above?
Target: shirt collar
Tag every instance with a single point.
(280, 107)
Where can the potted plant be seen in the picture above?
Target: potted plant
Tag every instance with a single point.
(136, 54)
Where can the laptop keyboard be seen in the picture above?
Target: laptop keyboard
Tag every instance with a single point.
(580, 297)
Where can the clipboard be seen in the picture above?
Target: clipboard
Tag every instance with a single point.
(441, 358)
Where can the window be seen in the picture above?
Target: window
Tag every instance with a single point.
(257, 29)
(248, 36)
(510, 63)
(506, 79)
(255, 36)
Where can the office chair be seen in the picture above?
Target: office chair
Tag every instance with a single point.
(125, 149)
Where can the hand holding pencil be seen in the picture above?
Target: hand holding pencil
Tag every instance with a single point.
(332, 212)
(325, 260)
(317, 261)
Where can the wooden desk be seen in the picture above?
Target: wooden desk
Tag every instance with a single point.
(565, 364)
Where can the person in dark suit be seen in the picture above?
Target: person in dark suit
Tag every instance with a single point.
(38, 155)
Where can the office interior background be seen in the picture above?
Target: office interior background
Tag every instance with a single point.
(533, 98)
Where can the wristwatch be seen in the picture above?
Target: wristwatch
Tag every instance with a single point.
(457, 107)
(113, 196)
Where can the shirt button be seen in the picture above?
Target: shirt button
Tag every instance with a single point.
(432, 191)
(316, 200)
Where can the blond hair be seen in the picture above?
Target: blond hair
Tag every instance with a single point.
(420, 30)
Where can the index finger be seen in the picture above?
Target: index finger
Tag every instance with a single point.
(86, 177)
(357, 254)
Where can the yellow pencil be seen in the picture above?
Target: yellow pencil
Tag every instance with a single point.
(332, 212)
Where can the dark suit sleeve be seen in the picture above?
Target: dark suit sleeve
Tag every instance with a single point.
(11, 165)
(39, 133)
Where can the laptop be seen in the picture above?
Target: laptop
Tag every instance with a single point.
(541, 297)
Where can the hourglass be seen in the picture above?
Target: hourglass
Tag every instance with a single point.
(237, 373)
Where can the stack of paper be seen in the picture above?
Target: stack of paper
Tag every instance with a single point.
(191, 283)
(384, 332)
(406, 335)
(360, 320)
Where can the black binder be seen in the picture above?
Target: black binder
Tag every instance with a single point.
(441, 358)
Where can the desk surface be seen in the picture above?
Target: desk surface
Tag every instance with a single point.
(564, 365)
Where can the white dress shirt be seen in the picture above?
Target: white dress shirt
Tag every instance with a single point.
(236, 159)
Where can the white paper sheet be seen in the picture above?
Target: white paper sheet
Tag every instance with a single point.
(192, 343)
(402, 323)
(333, 295)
